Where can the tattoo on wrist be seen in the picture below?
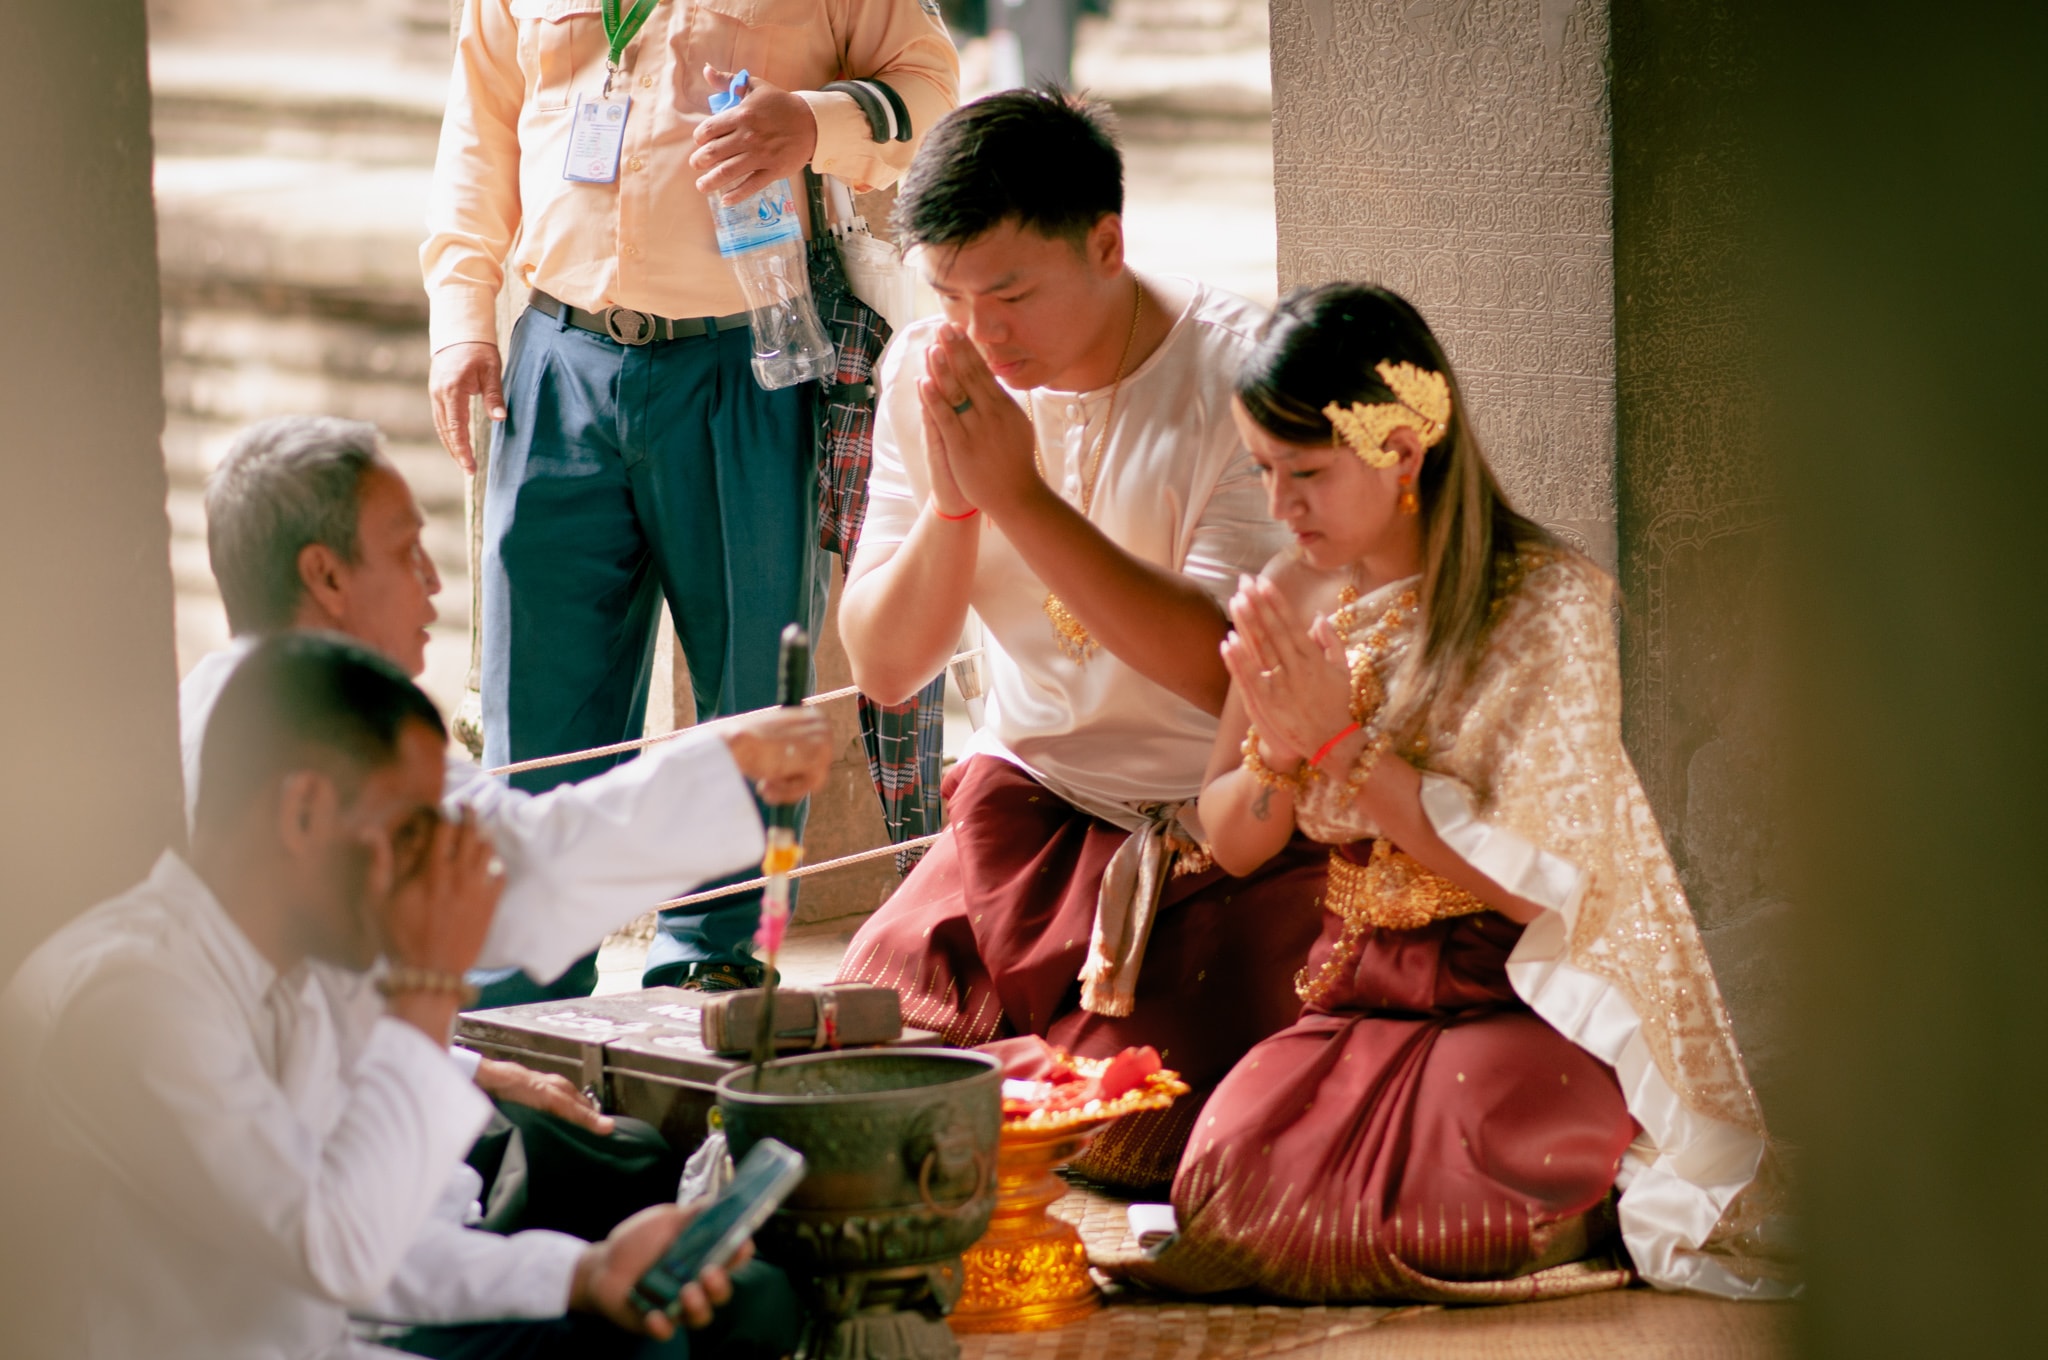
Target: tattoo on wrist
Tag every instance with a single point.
(1263, 804)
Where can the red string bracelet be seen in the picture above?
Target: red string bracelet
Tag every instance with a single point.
(955, 519)
(1331, 745)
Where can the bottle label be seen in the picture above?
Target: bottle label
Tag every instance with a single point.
(767, 219)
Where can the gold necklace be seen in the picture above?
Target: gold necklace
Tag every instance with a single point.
(1069, 632)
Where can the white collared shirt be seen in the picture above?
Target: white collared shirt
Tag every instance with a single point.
(249, 1155)
(1176, 488)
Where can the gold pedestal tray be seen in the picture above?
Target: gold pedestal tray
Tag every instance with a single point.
(1029, 1271)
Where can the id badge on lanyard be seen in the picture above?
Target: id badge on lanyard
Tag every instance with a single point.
(598, 133)
(596, 137)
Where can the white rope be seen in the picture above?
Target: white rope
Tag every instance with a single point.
(823, 866)
(642, 743)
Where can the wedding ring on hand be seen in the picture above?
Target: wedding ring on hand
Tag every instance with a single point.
(1268, 675)
(965, 405)
(495, 867)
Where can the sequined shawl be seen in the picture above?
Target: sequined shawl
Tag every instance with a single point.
(1525, 775)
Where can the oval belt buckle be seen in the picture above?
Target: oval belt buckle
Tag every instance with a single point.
(617, 318)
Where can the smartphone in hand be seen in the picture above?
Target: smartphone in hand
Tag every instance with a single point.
(764, 1178)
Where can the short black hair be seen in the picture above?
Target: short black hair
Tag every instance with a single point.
(303, 700)
(1042, 158)
(284, 483)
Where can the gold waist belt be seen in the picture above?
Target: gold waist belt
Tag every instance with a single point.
(1393, 892)
(1390, 891)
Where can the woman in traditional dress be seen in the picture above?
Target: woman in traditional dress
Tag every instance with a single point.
(1509, 1013)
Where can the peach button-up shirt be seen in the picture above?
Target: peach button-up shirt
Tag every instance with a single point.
(644, 241)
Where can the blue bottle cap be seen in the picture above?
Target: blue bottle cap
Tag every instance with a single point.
(721, 102)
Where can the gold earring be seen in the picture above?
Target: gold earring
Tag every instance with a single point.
(1410, 503)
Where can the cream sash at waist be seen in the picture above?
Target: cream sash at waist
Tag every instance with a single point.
(1128, 902)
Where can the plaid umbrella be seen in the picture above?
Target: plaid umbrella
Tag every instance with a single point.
(904, 741)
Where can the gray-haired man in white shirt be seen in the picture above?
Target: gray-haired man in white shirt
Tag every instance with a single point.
(309, 525)
(240, 1070)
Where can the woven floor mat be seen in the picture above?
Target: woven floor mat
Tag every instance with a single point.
(1134, 1325)
(1103, 1221)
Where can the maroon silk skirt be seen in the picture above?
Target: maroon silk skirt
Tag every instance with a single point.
(986, 938)
(1418, 1134)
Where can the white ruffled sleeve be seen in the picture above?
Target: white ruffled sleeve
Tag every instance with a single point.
(1684, 1169)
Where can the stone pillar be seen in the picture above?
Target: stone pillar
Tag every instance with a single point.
(1694, 495)
(88, 679)
(1457, 152)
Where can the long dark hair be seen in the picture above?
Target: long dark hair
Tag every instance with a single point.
(1322, 345)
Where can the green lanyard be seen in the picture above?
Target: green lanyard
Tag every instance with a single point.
(621, 31)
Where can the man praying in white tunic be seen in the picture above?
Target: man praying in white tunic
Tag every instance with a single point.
(238, 1073)
(1057, 453)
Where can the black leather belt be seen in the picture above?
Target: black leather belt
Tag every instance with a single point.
(629, 327)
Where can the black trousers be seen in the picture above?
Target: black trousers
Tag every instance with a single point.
(761, 1323)
(543, 1172)
(540, 1172)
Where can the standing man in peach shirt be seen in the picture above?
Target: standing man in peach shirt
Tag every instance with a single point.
(635, 457)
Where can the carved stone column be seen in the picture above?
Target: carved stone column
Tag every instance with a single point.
(1457, 152)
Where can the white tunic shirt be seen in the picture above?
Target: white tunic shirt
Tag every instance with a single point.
(1176, 488)
(249, 1155)
(257, 1156)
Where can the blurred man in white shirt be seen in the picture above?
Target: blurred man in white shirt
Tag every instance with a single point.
(239, 1069)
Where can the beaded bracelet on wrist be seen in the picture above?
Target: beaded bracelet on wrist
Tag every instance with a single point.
(403, 978)
(1268, 778)
(1376, 746)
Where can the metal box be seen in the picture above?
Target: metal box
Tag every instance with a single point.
(636, 1053)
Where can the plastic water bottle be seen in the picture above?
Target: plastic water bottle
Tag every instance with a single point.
(762, 238)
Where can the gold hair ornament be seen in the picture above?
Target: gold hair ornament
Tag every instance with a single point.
(1422, 403)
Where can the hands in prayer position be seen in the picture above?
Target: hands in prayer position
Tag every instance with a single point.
(770, 134)
(983, 457)
(1293, 677)
(435, 887)
(605, 1275)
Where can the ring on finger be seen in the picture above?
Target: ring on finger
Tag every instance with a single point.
(1269, 674)
(963, 406)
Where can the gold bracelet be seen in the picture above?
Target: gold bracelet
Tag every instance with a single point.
(403, 977)
(1376, 745)
(1268, 778)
